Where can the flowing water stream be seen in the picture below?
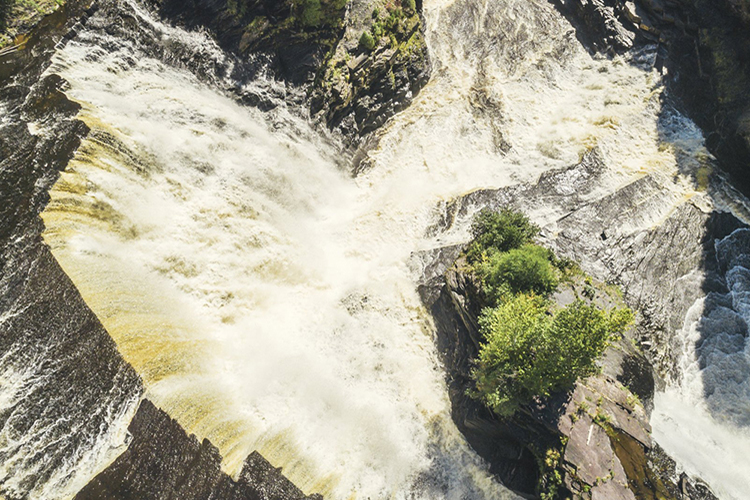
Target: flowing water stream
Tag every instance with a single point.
(266, 296)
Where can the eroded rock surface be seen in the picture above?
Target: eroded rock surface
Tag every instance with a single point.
(598, 434)
(162, 461)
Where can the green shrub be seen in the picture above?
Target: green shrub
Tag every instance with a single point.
(499, 232)
(409, 5)
(527, 269)
(528, 352)
(311, 13)
(366, 41)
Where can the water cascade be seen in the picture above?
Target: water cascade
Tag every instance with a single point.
(709, 408)
(267, 297)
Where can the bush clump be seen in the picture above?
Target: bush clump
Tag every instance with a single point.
(311, 13)
(527, 269)
(501, 231)
(531, 347)
(530, 352)
(366, 41)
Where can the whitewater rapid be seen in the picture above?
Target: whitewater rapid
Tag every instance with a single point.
(703, 418)
(265, 296)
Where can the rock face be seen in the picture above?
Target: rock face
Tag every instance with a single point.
(315, 43)
(50, 342)
(705, 47)
(594, 441)
(191, 470)
(361, 87)
(591, 442)
(292, 39)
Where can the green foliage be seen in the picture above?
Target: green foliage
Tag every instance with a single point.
(531, 348)
(410, 5)
(311, 13)
(527, 269)
(506, 374)
(551, 479)
(529, 352)
(390, 25)
(366, 41)
(499, 232)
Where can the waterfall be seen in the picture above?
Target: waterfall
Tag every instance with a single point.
(267, 297)
(704, 419)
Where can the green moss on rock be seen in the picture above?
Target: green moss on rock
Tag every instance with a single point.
(18, 17)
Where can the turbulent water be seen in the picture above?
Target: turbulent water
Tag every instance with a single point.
(705, 420)
(267, 298)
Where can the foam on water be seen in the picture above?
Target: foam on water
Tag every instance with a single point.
(253, 284)
(263, 294)
(704, 419)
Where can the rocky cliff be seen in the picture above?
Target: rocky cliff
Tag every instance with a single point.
(353, 88)
(596, 436)
(163, 462)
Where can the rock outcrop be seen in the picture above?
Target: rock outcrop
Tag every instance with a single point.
(594, 441)
(591, 442)
(361, 87)
(162, 461)
(315, 44)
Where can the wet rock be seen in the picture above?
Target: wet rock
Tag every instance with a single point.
(359, 88)
(605, 25)
(703, 45)
(292, 37)
(351, 89)
(69, 388)
(600, 428)
(162, 461)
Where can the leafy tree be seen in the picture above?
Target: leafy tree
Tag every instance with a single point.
(527, 269)
(499, 232)
(529, 352)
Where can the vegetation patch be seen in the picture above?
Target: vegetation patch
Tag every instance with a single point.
(20, 16)
(531, 346)
(395, 25)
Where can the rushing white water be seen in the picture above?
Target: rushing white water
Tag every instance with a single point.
(704, 421)
(264, 295)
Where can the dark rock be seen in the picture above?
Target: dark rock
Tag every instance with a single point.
(162, 461)
(604, 25)
(295, 46)
(358, 90)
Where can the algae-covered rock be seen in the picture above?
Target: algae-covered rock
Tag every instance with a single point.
(366, 82)
(18, 18)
